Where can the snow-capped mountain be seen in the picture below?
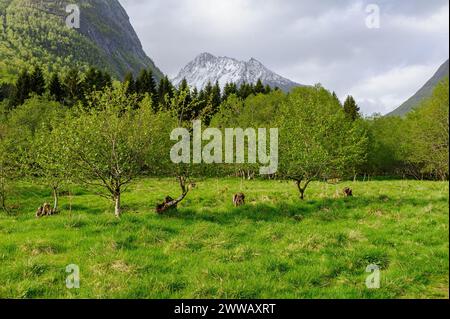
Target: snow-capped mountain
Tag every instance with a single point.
(209, 68)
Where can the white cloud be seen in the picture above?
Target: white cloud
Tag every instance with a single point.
(380, 92)
(307, 41)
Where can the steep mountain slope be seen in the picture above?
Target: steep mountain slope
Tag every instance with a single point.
(425, 92)
(34, 32)
(209, 68)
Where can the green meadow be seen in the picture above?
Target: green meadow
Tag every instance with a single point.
(275, 246)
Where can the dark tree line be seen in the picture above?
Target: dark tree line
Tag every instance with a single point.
(67, 89)
(191, 103)
(73, 86)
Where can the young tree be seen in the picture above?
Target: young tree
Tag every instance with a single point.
(34, 151)
(50, 161)
(316, 139)
(4, 169)
(110, 144)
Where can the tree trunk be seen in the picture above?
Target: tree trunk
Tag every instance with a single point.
(302, 189)
(55, 199)
(169, 202)
(117, 209)
(3, 203)
(3, 200)
(302, 194)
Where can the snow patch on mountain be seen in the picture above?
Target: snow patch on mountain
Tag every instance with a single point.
(209, 68)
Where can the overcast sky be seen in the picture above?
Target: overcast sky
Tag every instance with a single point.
(307, 41)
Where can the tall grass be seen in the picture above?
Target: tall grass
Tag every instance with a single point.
(274, 247)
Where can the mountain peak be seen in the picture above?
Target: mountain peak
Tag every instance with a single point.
(253, 60)
(207, 68)
(206, 55)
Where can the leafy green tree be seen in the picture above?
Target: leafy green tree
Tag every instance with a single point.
(427, 134)
(110, 144)
(34, 114)
(34, 151)
(386, 154)
(6, 173)
(336, 98)
(316, 139)
(18, 156)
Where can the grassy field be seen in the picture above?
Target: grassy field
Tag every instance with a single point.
(274, 247)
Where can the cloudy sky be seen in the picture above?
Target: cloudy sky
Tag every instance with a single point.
(307, 41)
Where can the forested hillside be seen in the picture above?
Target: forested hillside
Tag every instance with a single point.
(34, 33)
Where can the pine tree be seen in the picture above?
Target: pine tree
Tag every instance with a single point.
(37, 81)
(22, 88)
(96, 80)
(351, 108)
(216, 97)
(73, 86)
(259, 88)
(55, 88)
(165, 92)
(228, 90)
(106, 80)
(186, 109)
(194, 93)
(145, 83)
(245, 90)
(5, 91)
(130, 83)
(200, 103)
(208, 89)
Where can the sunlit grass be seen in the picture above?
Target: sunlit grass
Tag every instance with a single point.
(274, 247)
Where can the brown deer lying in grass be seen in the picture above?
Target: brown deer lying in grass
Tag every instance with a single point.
(239, 200)
(348, 192)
